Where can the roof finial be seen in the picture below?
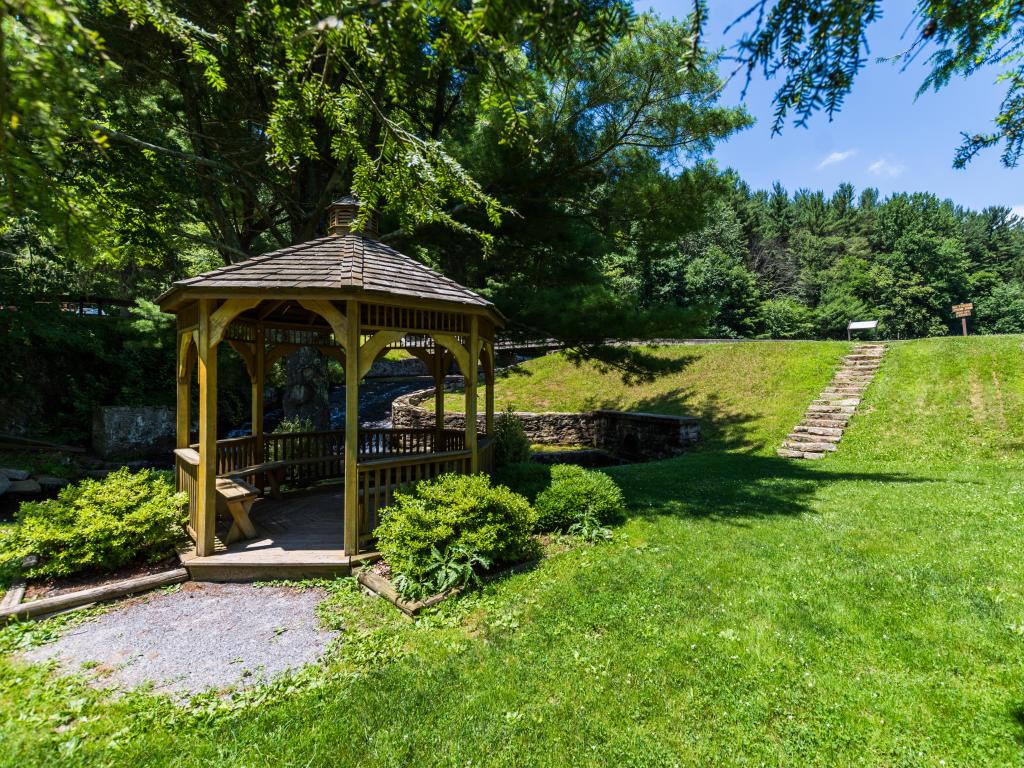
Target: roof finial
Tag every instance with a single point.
(342, 212)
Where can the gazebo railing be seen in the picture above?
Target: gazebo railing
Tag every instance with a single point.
(186, 472)
(301, 450)
(388, 460)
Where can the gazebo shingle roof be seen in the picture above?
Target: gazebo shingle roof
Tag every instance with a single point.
(335, 262)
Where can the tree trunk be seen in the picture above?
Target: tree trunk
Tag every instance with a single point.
(306, 394)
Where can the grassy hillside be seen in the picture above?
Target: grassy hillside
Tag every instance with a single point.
(865, 610)
(746, 395)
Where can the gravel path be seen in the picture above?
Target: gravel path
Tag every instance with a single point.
(203, 636)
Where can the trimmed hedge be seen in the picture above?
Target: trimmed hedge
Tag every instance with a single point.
(578, 495)
(526, 477)
(449, 515)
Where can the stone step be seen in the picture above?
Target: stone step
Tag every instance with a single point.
(810, 429)
(842, 392)
(789, 453)
(799, 445)
(836, 421)
(805, 437)
(831, 409)
(836, 401)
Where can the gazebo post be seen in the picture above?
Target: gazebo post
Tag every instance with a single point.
(183, 409)
(259, 373)
(471, 375)
(206, 491)
(439, 376)
(351, 524)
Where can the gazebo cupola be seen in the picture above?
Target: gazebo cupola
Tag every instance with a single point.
(353, 298)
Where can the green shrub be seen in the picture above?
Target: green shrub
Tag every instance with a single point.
(99, 524)
(526, 477)
(448, 522)
(579, 496)
(511, 445)
(293, 426)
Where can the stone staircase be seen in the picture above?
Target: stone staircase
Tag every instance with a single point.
(826, 418)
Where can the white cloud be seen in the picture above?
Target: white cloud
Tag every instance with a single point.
(1017, 210)
(883, 167)
(836, 157)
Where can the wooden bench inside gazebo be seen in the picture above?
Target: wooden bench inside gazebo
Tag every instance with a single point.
(353, 298)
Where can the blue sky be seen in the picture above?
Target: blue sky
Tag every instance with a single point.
(882, 138)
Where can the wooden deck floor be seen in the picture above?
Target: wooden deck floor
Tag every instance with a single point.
(299, 536)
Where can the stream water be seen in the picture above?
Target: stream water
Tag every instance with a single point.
(375, 398)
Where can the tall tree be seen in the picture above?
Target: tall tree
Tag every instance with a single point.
(818, 47)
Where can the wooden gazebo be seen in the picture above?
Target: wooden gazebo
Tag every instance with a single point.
(353, 298)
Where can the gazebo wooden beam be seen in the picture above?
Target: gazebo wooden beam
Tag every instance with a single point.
(224, 314)
(339, 323)
(206, 492)
(373, 346)
(351, 509)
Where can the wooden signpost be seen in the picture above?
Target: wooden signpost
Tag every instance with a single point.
(963, 311)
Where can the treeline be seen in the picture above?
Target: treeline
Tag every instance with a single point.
(770, 264)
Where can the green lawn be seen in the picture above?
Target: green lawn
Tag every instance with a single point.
(746, 395)
(863, 610)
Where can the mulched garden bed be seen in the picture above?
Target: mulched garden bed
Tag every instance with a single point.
(54, 587)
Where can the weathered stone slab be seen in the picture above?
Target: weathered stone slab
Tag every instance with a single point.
(25, 486)
(133, 431)
(15, 474)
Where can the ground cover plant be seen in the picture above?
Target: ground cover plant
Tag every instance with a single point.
(862, 610)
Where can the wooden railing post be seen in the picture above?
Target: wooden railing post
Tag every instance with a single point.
(259, 374)
(206, 491)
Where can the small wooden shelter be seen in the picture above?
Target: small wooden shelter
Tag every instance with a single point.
(353, 298)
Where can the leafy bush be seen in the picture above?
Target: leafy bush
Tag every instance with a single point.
(447, 523)
(99, 524)
(526, 477)
(786, 319)
(293, 426)
(511, 445)
(578, 496)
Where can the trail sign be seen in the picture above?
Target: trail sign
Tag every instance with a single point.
(963, 311)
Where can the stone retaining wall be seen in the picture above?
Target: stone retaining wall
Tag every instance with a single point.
(133, 431)
(626, 434)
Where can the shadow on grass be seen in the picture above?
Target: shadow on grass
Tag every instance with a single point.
(733, 486)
